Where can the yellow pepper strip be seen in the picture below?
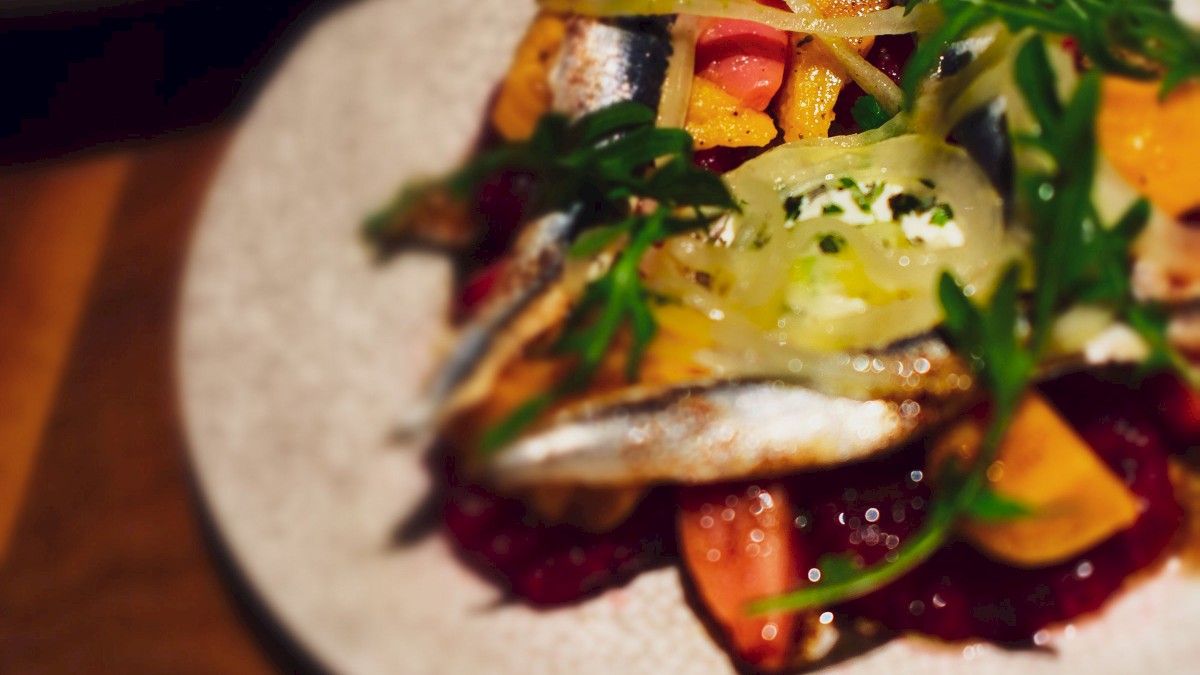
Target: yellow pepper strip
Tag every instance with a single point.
(1076, 501)
(717, 118)
(814, 78)
(525, 93)
(1154, 144)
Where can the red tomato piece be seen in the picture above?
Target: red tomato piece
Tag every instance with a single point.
(738, 543)
(744, 58)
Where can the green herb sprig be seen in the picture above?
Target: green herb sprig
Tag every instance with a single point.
(989, 335)
(1135, 38)
(1075, 259)
(868, 113)
(595, 164)
(605, 162)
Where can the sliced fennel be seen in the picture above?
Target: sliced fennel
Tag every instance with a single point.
(812, 265)
(892, 21)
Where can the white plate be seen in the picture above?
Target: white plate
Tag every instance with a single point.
(297, 355)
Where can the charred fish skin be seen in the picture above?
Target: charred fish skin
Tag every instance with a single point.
(536, 263)
(603, 62)
(984, 134)
(725, 431)
(532, 269)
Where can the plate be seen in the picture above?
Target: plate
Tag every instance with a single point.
(297, 356)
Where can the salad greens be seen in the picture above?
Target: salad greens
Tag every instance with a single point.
(1134, 38)
(598, 166)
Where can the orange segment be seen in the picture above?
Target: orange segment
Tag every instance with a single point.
(1153, 143)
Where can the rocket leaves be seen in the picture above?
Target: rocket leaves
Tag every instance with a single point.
(1133, 38)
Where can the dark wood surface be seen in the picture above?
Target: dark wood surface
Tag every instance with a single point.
(104, 562)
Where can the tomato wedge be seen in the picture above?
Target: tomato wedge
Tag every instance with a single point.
(744, 58)
(738, 543)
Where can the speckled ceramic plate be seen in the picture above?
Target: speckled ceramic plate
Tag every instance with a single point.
(297, 355)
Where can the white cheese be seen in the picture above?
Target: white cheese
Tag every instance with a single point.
(918, 228)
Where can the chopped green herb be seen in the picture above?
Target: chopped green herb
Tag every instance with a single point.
(906, 203)
(863, 199)
(871, 197)
(868, 113)
(761, 238)
(942, 214)
(832, 210)
(832, 243)
(598, 162)
(793, 206)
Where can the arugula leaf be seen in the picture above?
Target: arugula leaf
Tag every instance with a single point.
(598, 162)
(591, 242)
(1133, 38)
(989, 506)
(585, 163)
(961, 18)
(989, 336)
(511, 426)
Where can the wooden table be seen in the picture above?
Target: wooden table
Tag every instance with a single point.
(105, 562)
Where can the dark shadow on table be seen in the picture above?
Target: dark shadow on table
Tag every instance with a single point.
(135, 70)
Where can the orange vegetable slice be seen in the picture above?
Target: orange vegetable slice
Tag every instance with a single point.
(1076, 502)
(814, 78)
(525, 93)
(1153, 143)
(716, 118)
